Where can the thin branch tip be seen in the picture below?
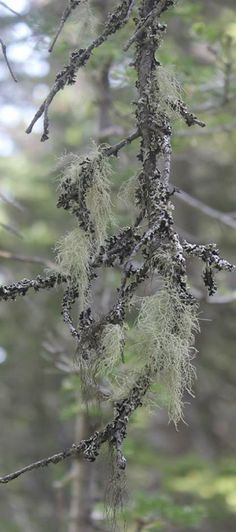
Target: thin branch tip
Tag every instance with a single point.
(4, 51)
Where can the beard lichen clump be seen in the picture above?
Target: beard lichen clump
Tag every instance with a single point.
(111, 351)
(169, 90)
(165, 328)
(127, 196)
(98, 197)
(84, 189)
(73, 256)
(109, 357)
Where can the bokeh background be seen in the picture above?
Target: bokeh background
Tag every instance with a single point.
(177, 480)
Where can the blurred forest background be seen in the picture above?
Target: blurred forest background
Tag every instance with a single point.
(177, 480)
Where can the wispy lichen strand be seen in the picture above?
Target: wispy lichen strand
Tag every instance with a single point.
(84, 190)
(73, 253)
(165, 334)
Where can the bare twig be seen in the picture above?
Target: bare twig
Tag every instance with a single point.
(54, 459)
(206, 209)
(78, 59)
(223, 128)
(65, 15)
(113, 150)
(11, 201)
(23, 258)
(10, 9)
(4, 51)
(11, 229)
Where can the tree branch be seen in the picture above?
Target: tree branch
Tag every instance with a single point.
(10, 9)
(4, 51)
(114, 432)
(23, 258)
(206, 209)
(20, 288)
(113, 150)
(155, 13)
(11, 229)
(189, 117)
(65, 15)
(78, 59)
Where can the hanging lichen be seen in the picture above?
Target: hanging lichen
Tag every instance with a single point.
(165, 329)
(73, 255)
(169, 90)
(85, 21)
(85, 192)
(111, 350)
(98, 197)
(107, 361)
(127, 195)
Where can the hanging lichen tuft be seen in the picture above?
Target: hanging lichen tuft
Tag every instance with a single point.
(169, 91)
(165, 333)
(98, 198)
(127, 196)
(84, 191)
(73, 255)
(111, 350)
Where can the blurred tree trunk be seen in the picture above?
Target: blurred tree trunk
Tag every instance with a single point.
(83, 488)
(81, 502)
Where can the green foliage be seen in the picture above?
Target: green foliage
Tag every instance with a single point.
(157, 511)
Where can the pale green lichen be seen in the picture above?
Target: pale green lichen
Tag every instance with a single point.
(126, 195)
(98, 197)
(111, 351)
(96, 169)
(99, 370)
(165, 328)
(169, 89)
(85, 21)
(73, 255)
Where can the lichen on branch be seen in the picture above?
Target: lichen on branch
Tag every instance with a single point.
(167, 318)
